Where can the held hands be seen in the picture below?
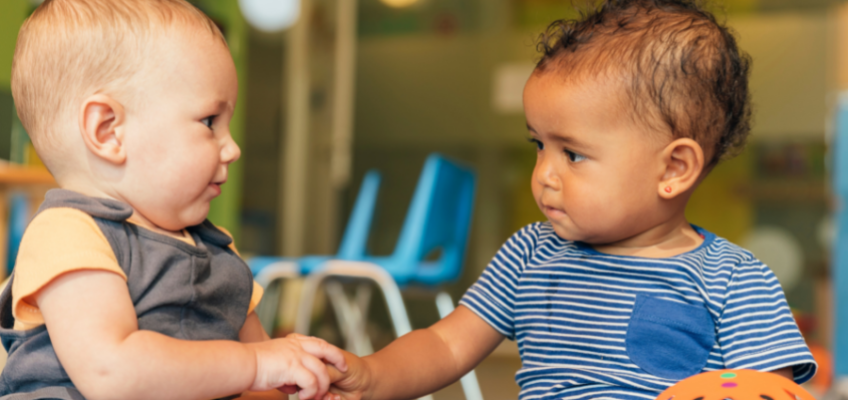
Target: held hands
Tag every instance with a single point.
(296, 364)
(352, 384)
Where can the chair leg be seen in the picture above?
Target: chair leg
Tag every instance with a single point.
(362, 303)
(268, 308)
(470, 385)
(354, 269)
(362, 270)
(338, 301)
(350, 318)
(307, 300)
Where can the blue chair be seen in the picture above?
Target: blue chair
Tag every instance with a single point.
(19, 216)
(267, 269)
(437, 223)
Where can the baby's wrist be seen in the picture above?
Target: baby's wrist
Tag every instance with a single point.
(253, 355)
(367, 372)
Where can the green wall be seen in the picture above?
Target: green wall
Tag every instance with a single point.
(12, 14)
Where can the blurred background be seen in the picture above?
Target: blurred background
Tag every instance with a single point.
(346, 86)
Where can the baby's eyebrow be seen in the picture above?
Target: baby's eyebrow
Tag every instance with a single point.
(572, 143)
(220, 106)
(564, 139)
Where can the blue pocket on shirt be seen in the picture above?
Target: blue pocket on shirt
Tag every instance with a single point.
(669, 339)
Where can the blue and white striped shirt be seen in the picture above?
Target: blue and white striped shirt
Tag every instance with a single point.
(591, 325)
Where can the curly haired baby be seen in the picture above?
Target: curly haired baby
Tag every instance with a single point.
(616, 295)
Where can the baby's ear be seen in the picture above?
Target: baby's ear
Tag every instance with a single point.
(101, 122)
(683, 160)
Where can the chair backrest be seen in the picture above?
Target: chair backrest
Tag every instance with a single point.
(354, 240)
(356, 233)
(438, 219)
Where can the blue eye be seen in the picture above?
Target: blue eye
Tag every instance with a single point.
(208, 121)
(574, 157)
(539, 145)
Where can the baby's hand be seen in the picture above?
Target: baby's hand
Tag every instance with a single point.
(296, 363)
(353, 384)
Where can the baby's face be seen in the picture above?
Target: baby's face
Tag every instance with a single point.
(597, 171)
(178, 139)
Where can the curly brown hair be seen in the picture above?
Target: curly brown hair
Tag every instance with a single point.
(683, 68)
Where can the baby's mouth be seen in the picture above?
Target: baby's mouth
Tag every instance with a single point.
(552, 212)
(216, 187)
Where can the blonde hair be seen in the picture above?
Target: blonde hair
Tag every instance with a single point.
(70, 49)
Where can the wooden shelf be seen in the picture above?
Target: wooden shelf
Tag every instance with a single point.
(18, 175)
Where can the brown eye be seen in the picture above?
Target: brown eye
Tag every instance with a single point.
(539, 145)
(208, 121)
(574, 157)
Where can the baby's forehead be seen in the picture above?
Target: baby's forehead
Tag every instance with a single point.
(191, 71)
(612, 85)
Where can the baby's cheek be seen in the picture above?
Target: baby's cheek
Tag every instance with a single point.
(536, 189)
(595, 214)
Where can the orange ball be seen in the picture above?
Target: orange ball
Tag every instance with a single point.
(743, 384)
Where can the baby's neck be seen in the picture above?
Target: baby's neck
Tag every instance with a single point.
(143, 222)
(81, 186)
(665, 240)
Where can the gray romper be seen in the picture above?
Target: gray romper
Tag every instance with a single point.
(186, 292)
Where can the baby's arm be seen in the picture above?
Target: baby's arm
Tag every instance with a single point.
(422, 361)
(785, 372)
(252, 331)
(94, 330)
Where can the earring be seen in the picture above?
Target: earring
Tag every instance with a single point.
(668, 189)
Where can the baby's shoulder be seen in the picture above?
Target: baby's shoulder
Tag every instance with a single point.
(724, 252)
(729, 261)
(53, 224)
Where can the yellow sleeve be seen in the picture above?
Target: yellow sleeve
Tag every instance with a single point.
(258, 291)
(256, 297)
(57, 241)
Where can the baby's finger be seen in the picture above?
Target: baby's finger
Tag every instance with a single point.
(306, 381)
(319, 370)
(325, 351)
(288, 389)
(332, 396)
(335, 374)
(339, 394)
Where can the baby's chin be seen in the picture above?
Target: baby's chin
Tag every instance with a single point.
(179, 223)
(566, 233)
(194, 215)
(576, 235)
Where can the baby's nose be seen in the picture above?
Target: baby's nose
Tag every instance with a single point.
(546, 175)
(230, 152)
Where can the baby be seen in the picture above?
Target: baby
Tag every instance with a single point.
(122, 288)
(616, 296)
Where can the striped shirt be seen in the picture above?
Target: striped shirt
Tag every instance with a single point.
(591, 325)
